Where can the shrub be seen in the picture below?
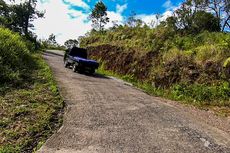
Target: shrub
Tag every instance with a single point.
(227, 68)
(13, 56)
(211, 52)
(192, 67)
(202, 93)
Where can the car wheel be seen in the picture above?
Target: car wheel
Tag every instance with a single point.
(74, 68)
(92, 71)
(66, 63)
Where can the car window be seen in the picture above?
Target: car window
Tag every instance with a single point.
(79, 52)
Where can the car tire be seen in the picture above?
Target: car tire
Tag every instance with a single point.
(66, 63)
(92, 71)
(74, 68)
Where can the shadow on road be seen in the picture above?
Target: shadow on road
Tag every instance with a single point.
(50, 53)
(95, 75)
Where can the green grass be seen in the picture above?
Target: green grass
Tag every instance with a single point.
(190, 68)
(208, 97)
(30, 110)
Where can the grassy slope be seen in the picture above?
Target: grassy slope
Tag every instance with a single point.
(164, 63)
(220, 108)
(30, 111)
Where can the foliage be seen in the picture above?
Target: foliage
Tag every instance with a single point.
(166, 62)
(4, 14)
(201, 95)
(14, 56)
(19, 17)
(132, 20)
(205, 21)
(52, 39)
(209, 95)
(99, 16)
(219, 8)
(31, 110)
(190, 20)
(71, 43)
(227, 63)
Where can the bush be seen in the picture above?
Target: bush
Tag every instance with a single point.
(191, 67)
(211, 52)
(202, 93)
(14, 55)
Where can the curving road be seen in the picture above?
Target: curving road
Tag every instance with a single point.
(106, 115)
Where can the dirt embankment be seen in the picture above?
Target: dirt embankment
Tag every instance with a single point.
(151, 66)
(121, 62)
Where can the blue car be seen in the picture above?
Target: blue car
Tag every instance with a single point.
(76, 58)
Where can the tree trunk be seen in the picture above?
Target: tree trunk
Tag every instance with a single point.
(27, 18)
(226, 23)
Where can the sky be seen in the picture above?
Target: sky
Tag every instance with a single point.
(68, 19)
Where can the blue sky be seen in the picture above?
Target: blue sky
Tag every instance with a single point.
(68, 19)
(138, 6)
(141, 6)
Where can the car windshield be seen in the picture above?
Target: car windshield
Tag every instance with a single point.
(79, 52)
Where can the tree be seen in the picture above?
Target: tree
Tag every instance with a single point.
(184, 15)
(4, 14)
(205, 21)
(99, 16)
(171, 23)
(132, 20)
(219, 8)
(191, 17)
(71, 43)
(23, 14)
(52, 39)
(19, 17)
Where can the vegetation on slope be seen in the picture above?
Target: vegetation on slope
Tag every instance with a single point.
(30, 105)
(29, 101)
(184, 58)
(186, 68)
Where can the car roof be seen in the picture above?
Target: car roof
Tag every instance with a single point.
(76, 49)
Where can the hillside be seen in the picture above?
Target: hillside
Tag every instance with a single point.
(30, 104)
(192, 68)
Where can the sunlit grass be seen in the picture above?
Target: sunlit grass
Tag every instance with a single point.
(31, 111)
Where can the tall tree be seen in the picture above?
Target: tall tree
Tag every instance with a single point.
(184, 15)
(19, 17)
(23, 14)
(192, 17)
(219, 8)
(133, 21)
(5, 12)
(221, 11)
(71, 43)
(52, 39)
(99, 16)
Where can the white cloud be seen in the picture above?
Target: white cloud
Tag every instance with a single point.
(114, 17)
(79, 3)
(154, 19)
(166, 15)
(168, 5)
(148, 19)
(68, 23)
(59, 22)
(120, 8)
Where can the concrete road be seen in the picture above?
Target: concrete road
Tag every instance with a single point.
(105, 115)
